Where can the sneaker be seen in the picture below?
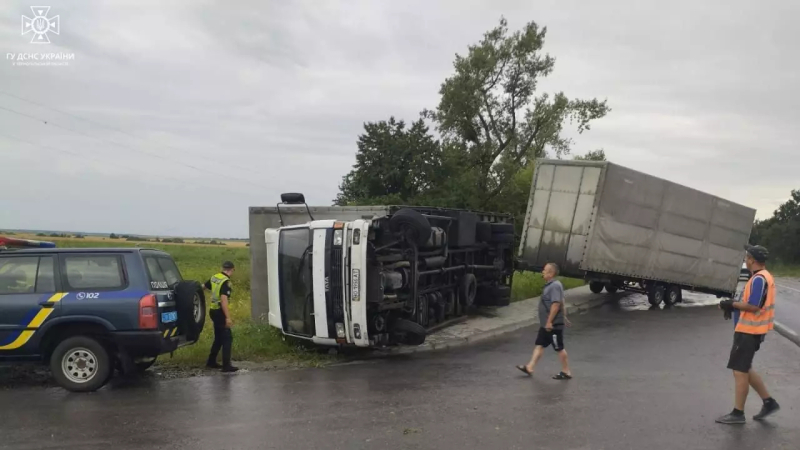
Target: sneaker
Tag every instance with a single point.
(768, 408)
(731, 419)
(230, 369)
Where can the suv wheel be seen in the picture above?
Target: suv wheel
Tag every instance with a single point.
(81, 364)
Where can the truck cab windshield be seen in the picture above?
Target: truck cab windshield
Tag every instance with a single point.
(297, 295)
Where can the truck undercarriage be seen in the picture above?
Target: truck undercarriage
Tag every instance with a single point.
(426, 265)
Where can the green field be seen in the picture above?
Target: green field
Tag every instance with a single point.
(255, 341)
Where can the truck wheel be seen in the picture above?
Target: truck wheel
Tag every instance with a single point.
(596, 286)
(423, 311)
(502, 291)
(81, 364)
(656, 295)
(483, 231)
(611, 289)
(469, 289)
(412, 224)
(191, 305)
(673, 295)
(408, 333)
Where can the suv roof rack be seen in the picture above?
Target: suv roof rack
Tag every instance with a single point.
(7, 244)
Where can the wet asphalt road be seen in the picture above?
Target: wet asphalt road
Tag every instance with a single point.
(652, 379)
(787, 307)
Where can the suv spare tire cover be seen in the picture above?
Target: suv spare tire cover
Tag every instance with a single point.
(185, 292)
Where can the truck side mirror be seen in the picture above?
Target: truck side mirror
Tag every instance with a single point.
(292, 198)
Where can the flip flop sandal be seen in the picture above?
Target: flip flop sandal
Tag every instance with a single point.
(562, 376)
(525, 369)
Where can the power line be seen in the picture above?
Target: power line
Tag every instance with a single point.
(200, 169)
(59, 150)
(108, 127)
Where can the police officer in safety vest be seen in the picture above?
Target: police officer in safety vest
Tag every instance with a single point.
(753, 315)
(220, 287)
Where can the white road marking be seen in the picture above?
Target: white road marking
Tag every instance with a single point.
(787, 287)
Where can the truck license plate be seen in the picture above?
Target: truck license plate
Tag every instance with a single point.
(168, 317)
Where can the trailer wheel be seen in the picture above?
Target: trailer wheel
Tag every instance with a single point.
(483, 231)
(412, 224)
(469, 288)
(656, 295)
(674, 295)
(611, 289)
(596, 286)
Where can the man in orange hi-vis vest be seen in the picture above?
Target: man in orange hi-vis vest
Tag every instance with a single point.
(753, 316)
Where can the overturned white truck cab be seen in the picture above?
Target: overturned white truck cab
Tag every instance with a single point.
(385, 279)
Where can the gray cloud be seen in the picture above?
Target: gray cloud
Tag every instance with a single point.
(268, 97)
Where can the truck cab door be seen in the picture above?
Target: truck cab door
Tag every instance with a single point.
(28, 297)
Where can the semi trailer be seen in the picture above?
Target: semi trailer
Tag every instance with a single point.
(619, 228)
(384, 275)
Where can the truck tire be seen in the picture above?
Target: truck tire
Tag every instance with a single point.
(191, 305)
(656, 294)
(412, 224)
(483, 231)
(81, 364)
(469, 289)
(673, 295)
(423, 311)
(408, 333)
(611, 289)
(502, 228)
(502, 292)
(596, 286)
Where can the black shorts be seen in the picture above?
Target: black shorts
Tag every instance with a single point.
(555, 337)
(744, 349)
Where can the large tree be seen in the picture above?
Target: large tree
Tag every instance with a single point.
(491, 114)
(394, 164)
(781, 232)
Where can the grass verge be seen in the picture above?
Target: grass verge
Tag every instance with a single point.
(528, 285)
(785, 270)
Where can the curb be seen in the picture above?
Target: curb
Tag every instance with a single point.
(483, 336)
(786, 332)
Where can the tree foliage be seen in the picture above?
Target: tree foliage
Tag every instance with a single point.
(393, 164)
(492, 124)
(780, 234)
(490, 108)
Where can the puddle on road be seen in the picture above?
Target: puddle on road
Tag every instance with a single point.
(638, 302)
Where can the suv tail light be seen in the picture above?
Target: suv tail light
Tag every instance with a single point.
(148, 318)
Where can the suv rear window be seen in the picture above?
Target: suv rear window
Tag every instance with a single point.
(163, 272)
(100, 272)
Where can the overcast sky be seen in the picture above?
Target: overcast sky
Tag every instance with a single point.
(266, 97)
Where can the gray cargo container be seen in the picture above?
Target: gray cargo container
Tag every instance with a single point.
(623, 229)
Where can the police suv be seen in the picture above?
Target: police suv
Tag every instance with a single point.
(89, 311)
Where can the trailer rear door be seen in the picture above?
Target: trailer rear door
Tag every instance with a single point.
(560, 212)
